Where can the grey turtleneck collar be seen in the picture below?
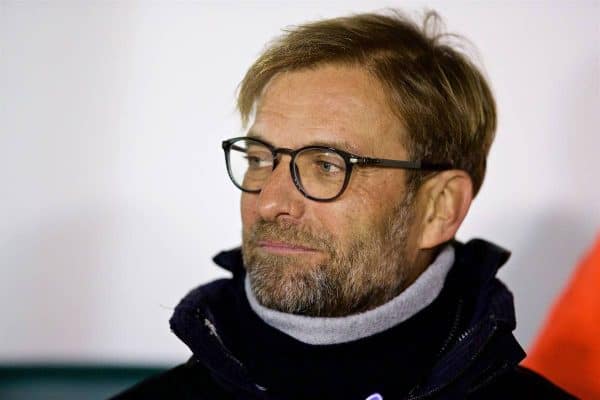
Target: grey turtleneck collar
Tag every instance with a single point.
(322, 330)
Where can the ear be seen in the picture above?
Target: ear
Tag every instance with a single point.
(446, 197)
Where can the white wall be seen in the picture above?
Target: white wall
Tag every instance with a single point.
(113, 190)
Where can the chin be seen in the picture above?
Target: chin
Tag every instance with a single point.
(294, 287)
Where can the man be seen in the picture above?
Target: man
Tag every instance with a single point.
(368, 142)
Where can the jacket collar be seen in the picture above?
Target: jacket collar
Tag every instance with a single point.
(485, 346)
(193, 323)
(480, 344)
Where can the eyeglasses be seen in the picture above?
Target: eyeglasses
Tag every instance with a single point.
(320, 173)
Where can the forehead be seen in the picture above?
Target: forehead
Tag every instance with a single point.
(327, 104)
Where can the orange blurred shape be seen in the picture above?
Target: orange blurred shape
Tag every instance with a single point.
(568, 348)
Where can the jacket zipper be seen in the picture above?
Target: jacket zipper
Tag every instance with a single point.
(462, 337)
(213, 332)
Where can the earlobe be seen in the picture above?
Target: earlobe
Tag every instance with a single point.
(448, 198)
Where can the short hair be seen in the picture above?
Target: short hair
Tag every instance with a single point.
(438, 94)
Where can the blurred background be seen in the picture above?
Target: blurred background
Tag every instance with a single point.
(114, 195)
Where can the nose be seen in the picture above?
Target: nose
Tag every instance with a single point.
(279, 198)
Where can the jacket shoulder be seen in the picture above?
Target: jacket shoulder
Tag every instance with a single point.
(520, 383)
(186, 381)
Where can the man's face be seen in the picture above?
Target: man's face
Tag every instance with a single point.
(344, 256)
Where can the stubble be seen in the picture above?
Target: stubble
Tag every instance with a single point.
(372, 268)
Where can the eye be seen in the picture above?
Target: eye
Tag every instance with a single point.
(329, 167)
(326, 166)
(258, 161)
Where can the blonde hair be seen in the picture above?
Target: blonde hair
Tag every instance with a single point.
(438, 94)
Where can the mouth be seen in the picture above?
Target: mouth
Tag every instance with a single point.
(276, 247)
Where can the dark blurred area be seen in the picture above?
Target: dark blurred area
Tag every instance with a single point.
(65, 382)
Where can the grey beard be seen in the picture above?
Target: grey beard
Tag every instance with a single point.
(311, 293)
(373, 270)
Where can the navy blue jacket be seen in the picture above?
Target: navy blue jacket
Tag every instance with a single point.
(460, 346)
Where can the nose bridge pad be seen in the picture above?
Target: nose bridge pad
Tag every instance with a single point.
(277, 160)
(295, 178)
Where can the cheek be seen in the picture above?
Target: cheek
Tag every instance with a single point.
(368, 209)
(344, 220)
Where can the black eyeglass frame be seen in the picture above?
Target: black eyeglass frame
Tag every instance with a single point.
(350, 159)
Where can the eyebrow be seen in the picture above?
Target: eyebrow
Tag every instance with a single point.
(339, 144)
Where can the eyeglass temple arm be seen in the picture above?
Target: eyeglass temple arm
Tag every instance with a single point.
(400, 164)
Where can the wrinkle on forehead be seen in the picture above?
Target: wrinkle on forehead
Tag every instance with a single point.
(329, 99)
(295, 88)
